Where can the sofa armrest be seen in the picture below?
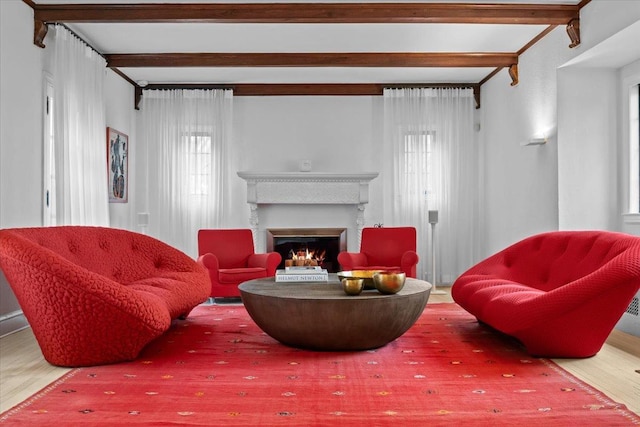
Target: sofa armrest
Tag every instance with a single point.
(409, 260)
(270, 261)
(210, 262)
(348, 260)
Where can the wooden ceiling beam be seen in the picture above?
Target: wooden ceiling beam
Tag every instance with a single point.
(343, 59)
(467, 13)
(302, 89)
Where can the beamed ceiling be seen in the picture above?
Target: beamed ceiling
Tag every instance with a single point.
(311, 48)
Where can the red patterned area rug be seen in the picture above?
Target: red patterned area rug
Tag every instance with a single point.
(218, 368)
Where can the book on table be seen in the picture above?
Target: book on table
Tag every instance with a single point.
(302, 274)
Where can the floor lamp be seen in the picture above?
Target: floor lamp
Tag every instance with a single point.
(433, 220)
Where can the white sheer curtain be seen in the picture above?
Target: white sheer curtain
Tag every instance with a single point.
(186, 134)
(81, 192)
(429, 137)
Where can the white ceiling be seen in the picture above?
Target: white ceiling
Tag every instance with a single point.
(112, 38)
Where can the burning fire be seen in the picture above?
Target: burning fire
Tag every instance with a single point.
(306, 258)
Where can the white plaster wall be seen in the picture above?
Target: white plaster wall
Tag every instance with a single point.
(337, 133)
(120, 115)
(21, 118)
(520, 182)
(20, 135)
(587, 145)
(601, 19)
(529, 189)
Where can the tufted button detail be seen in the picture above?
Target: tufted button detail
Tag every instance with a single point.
(158, 263)
(72, 246)
(544, 277)
(104, 245)
(508, 262)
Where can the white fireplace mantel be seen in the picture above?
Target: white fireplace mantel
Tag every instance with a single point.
(306, 188)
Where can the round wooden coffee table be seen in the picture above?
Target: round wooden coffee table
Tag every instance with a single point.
(320, 316)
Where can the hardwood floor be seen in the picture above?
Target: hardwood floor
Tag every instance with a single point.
(615, 370)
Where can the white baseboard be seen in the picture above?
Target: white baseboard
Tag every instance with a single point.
(12, 322)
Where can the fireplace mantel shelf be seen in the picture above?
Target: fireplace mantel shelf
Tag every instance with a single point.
(307, 176)
(307, 187)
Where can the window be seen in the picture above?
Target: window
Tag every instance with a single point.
(634, 140)
(199, 166)
(418, 167)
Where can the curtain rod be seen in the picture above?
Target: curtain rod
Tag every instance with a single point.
(81, 39)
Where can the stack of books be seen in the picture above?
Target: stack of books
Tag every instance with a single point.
(302, 274)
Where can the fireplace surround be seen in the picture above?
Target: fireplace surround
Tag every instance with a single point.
(307, 200)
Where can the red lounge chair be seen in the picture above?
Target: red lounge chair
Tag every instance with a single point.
(229, 256)
(384, 248)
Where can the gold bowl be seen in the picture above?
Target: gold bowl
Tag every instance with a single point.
(352, 286)
(365, 275)
(389, 282)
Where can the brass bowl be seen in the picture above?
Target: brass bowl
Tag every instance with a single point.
(366, 275)
(352, 286)
(389, 282)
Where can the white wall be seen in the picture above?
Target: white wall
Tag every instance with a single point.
(20, 135)
(520, 182)
(337, 133)
(588, 135)
(534, 189)
(120, 115)
(21, 117)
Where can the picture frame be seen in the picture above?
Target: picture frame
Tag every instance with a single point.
(118, 166)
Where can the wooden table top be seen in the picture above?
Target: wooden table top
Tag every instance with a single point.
(331, 289)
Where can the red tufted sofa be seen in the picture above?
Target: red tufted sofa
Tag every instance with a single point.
(97, 295)
(560, 293)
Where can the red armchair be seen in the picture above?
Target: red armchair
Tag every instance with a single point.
(559, 293)
(229, 256)
(384, 248)
(95, 295)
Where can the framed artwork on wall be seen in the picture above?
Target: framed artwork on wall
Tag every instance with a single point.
(118, 166)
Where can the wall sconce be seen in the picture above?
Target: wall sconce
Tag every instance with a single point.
(535, 141)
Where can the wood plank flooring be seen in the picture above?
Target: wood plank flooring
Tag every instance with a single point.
(615, 370)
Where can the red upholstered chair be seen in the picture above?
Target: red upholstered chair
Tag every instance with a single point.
(95, 295)
(560, 293)
(229, 256)
(383, 248)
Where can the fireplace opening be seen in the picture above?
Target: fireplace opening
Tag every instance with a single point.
(308, 246)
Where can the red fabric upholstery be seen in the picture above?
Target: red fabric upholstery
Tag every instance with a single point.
(229, 256)
(560, 293)
(97, 295)
(384, 248)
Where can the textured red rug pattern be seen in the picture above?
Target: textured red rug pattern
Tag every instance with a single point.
(218, 368)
